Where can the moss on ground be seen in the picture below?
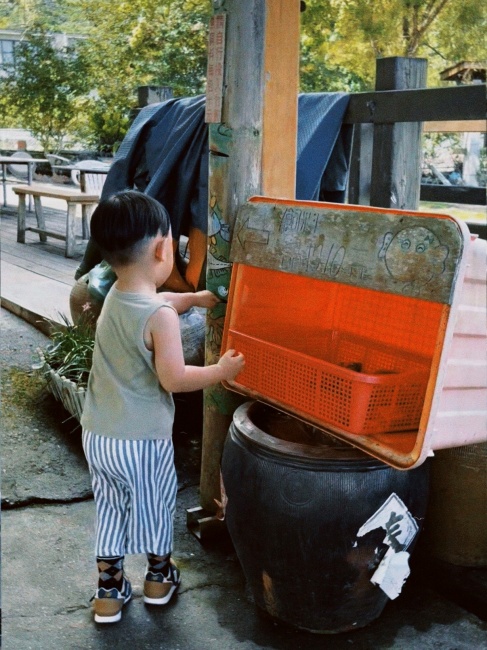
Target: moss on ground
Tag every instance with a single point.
(21, 391)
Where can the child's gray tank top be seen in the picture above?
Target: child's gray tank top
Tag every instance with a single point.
(124, 398)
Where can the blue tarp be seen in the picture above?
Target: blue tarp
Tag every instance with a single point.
(165, 154)
(323, 148)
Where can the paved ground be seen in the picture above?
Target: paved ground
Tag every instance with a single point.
(49, 575)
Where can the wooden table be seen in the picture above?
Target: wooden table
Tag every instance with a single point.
(72, 196)
(5, 161)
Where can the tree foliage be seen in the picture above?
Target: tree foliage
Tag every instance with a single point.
(139, 42)
(44, 88)
(352, 34)
(21, 14)
(130, 43)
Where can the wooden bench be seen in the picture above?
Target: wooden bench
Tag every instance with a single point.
(72, 196)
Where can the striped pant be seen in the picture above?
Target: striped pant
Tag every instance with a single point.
(134, 485)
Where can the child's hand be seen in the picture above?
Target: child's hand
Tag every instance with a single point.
(232, 363)
(206, 299)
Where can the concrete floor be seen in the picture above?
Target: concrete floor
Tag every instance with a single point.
(49, 573)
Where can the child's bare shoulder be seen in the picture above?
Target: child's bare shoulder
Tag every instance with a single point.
(163, 320)
(166, 313)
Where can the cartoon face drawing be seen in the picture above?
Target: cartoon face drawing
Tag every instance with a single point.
(413, 256)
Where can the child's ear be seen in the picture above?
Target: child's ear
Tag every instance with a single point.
(159, 250)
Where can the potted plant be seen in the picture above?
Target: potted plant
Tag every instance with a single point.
(66, 363)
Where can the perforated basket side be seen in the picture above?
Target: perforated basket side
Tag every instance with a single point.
(374, 358)
(390, 407)
(337, 396)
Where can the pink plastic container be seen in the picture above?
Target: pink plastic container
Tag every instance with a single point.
(458, 414)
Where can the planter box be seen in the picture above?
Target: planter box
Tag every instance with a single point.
(64, 390)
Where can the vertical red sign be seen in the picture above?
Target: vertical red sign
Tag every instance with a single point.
(214, 76)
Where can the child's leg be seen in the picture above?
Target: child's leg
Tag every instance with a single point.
(113, 591)
(112, 505)
(111, 492)
(110, 572)
(135, 485)
(153, 486)
(151, 523)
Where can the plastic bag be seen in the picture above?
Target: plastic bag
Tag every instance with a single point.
(192, 325)
(100, 279)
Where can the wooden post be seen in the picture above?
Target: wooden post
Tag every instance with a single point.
(361, 164)
(153, 94)
(396, 159)
(252, 151)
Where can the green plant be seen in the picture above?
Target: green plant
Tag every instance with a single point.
(43, 87)
(70, 353)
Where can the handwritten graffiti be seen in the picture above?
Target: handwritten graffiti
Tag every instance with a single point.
(218, 265)
(295, 220)
(326, 261)
(402, 254)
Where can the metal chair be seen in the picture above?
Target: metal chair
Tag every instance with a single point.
(90, 166)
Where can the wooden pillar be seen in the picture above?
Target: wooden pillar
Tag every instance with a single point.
(153, 94)
(396, 159)
(361, 164)
(252, 151)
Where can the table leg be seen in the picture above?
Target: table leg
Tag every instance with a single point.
(41, 222)
(29, 181)
(4, 183)
(71, 230)
(21, 220)
(86, 212)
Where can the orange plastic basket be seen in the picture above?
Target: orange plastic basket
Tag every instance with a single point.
(349, 382)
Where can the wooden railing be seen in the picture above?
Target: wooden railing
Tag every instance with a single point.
(417, 105)
(386, 156)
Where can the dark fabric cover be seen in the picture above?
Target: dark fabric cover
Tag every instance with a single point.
(165, 154)
(323, 147)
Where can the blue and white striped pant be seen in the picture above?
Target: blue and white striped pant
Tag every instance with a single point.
(134, 485)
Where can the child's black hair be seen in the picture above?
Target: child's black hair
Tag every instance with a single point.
(124, 220)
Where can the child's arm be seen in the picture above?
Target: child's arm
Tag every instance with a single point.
(183, 301)
(174, 375)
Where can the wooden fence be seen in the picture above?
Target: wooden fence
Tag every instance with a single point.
(386, 156)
